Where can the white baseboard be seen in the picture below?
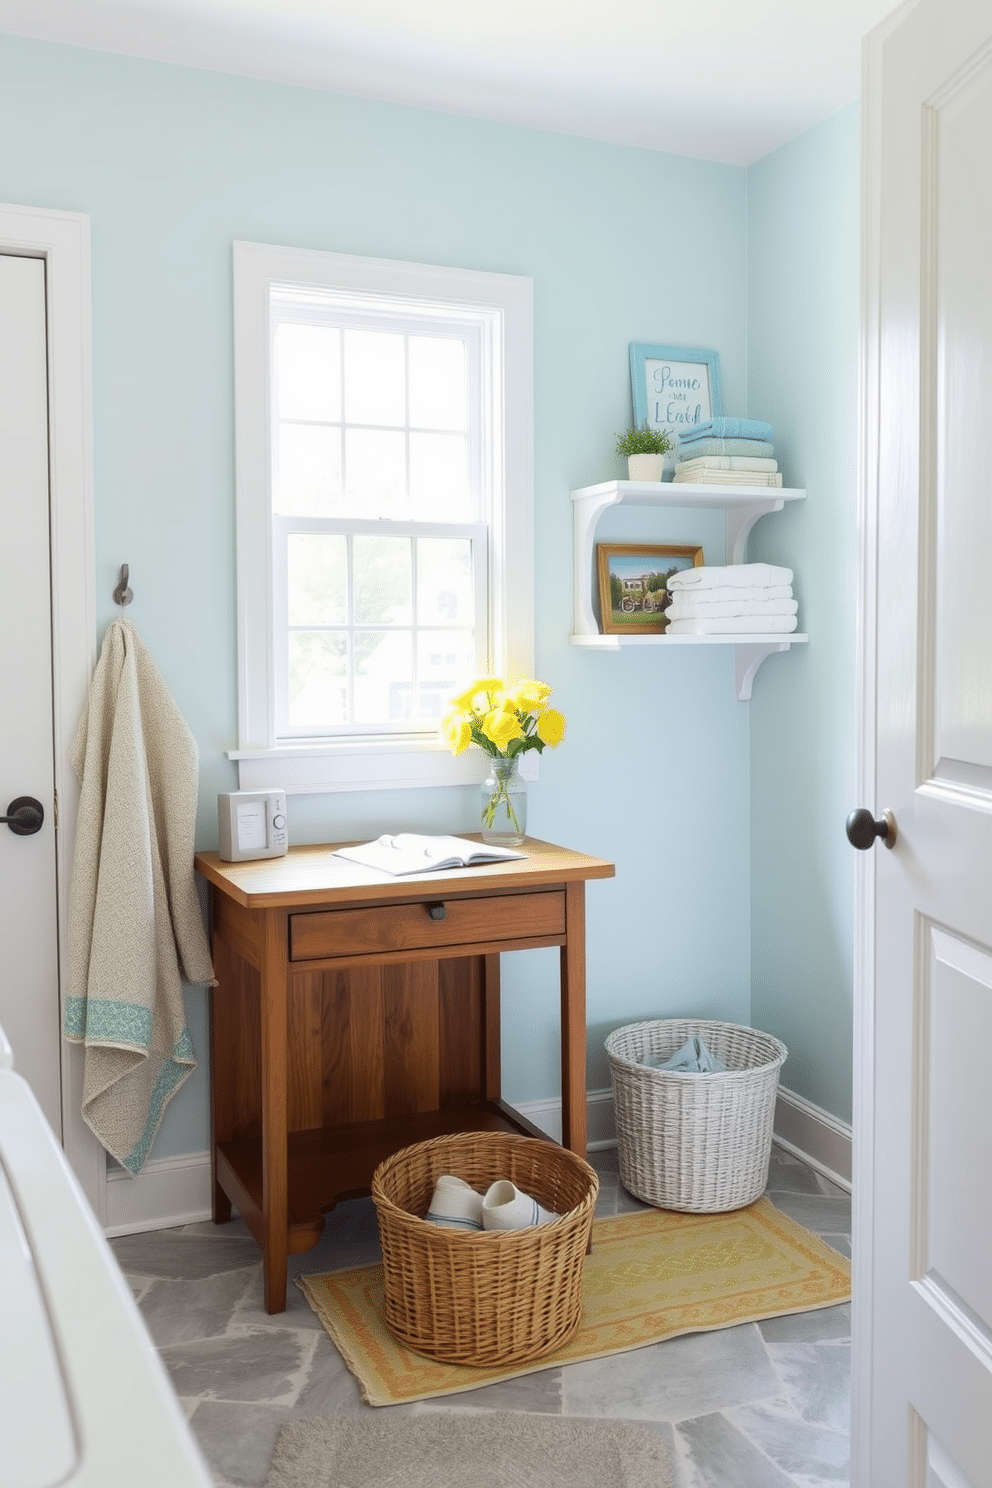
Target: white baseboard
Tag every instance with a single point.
(176, 1190)
(602, 1131)
(802, 1129)
(168, 1191)
(813, 1135)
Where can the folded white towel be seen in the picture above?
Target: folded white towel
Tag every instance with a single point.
(735, 576)
(693, 606)
(721, 592)
(731, 625)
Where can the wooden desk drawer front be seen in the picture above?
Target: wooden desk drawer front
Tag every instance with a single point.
(409, 927)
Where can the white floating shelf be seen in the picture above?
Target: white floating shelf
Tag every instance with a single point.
(743, 505)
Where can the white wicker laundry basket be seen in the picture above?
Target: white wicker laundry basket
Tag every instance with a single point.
(690, 1141)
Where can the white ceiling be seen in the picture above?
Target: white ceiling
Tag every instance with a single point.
(724, 80)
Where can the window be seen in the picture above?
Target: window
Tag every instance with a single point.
(384, 511)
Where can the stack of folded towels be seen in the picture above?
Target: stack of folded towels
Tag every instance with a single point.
(727, 452)
(742, 599)
(455, 1205)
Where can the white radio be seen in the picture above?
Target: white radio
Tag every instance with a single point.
(252, 824)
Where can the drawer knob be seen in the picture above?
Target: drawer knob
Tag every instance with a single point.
(437, 911)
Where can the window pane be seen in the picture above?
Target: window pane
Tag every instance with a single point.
(444, 659)
(383, 675)
(374, 378)
(318, 579)
(439, 477)
(444, 581)
(308, 372)
(383, 587)
(308, 471)
(376, 479)
(318, 679)
(438, 383)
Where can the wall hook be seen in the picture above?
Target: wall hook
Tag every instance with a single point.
(122, 594)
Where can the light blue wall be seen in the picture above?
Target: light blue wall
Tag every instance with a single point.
(803, 311)
(171, 165)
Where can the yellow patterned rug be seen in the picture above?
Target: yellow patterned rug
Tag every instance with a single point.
(651, 1275)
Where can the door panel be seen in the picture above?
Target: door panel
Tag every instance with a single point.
(954, 1118)
(957, 227)
(923, 1285)
(29, 995)
(939, 1470)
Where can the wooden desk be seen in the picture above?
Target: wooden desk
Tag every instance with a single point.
(356, 1013)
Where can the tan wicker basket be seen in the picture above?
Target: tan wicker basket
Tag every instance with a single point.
(489, 1298)
(695, 1142)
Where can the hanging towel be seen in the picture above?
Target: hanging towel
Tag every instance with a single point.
(135, 927)
(735, 625)
(727, 428)
(690, 606)
(735, 576)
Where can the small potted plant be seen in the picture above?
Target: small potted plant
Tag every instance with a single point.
(645, 449)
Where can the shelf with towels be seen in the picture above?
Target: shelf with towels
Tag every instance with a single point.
(742, 505)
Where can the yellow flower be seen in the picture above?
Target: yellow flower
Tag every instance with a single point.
(531, 695)
(551, 727)
(494, 716)
(501, 727)
(476, 697)
(456, 731)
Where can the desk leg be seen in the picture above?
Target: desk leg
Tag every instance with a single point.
(573, 1021)
(275, 1206)
(491, 1048)
(221, 1093)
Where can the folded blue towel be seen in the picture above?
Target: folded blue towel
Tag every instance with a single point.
(727, 428)
(699, 447)
(693, 1056)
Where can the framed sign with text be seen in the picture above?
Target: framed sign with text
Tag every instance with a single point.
(674, 387)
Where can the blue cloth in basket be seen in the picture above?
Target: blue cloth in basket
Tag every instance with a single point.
(693, 1056)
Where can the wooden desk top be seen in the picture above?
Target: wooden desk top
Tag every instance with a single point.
(314, 875)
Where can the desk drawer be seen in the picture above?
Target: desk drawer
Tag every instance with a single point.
(410, 927)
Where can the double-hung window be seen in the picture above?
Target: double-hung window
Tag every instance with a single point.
(384, 484)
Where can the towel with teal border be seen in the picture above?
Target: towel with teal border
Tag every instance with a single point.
(135, 926)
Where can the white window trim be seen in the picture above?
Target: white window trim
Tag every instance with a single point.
(377, 763)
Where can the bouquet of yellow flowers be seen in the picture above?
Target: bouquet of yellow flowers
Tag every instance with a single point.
(502, 720)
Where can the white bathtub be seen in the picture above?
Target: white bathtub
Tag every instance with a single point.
(84, 1399)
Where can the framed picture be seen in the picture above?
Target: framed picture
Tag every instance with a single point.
(674, 387)
(633, 585)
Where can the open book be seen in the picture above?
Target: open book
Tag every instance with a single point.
(409, 852)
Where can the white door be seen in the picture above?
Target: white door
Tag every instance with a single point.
(923, 1233)
(29, 970)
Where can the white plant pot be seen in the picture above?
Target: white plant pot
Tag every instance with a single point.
(645, 467)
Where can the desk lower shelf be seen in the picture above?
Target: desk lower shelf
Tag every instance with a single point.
(329, 1164)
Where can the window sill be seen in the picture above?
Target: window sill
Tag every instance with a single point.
(308, 770)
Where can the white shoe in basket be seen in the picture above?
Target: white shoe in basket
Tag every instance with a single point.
(455, 1205)
(504, 1207)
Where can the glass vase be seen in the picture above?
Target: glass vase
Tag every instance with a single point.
(504, 804)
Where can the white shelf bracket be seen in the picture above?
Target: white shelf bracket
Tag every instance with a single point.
(748, 657)
(740, 520)
(586, 514)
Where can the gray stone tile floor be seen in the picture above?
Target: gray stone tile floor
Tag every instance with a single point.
(763, 1405)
